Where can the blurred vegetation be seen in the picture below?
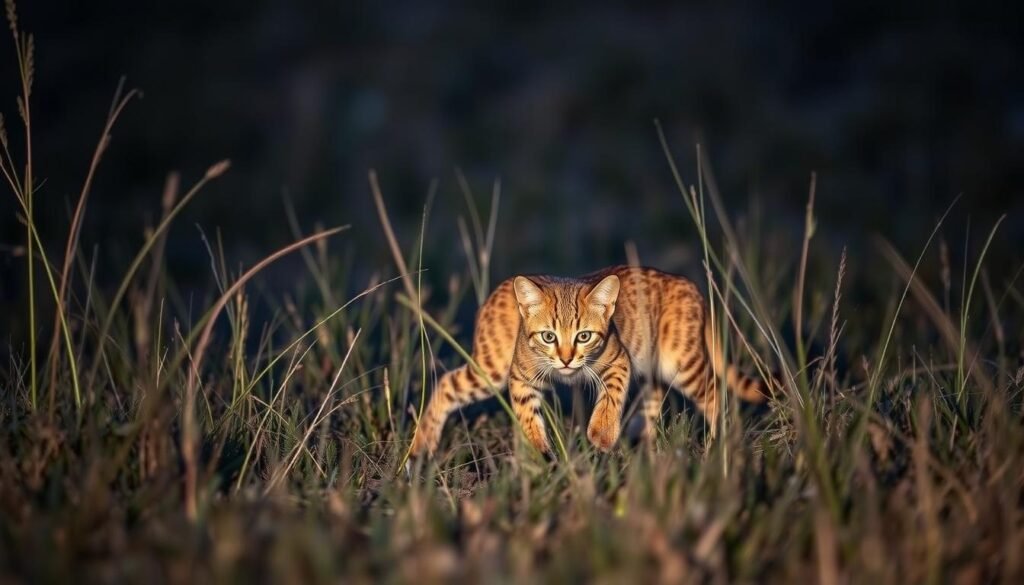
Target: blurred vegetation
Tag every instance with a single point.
(191, 412)
(898, 109)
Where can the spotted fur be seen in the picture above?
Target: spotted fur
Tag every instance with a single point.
(604, 329)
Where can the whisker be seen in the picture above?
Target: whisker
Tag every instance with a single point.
(599, 384)
(541, 374)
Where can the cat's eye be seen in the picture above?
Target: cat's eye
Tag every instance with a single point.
(583, 336)
(548, 336)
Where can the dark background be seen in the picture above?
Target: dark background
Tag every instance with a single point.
(899, 107)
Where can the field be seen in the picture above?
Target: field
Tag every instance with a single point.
(250, 432)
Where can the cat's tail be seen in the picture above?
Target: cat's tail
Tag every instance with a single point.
(746, 387)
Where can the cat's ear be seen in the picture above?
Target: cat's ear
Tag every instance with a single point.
(604, 294)
(528, 295)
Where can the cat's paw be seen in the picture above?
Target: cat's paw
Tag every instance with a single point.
(423, 446)
(603, 433)
(538, 439)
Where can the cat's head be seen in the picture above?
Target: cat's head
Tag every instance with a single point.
(565, 323)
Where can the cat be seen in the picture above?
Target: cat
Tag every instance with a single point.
(604, 329)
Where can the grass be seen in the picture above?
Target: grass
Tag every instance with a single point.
(250, 437)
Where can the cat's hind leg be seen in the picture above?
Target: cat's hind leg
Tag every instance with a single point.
(683, 361)
(701, 387)
(653, 398)
(645, 414)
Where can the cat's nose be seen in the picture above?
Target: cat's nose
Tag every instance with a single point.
(566, 361)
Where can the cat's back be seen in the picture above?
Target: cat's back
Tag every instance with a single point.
(648, 300)
(645, 288)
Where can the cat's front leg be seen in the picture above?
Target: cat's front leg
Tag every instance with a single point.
(606, 421)
(526, 403)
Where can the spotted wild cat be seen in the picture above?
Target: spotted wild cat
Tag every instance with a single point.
(603, 328)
